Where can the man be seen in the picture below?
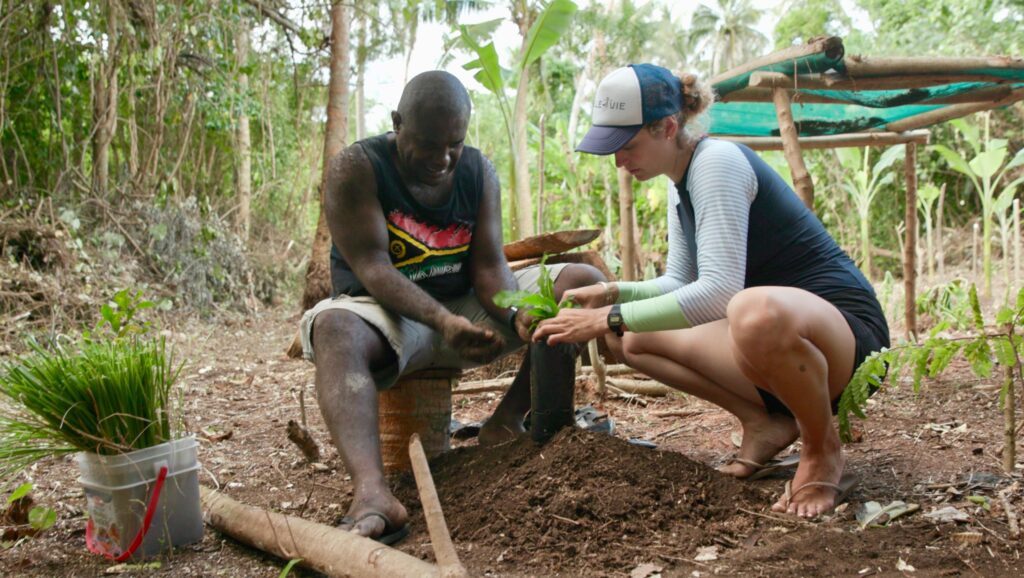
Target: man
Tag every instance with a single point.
(415, 217)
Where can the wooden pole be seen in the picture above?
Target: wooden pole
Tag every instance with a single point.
(953, 111)
(910, 245)
(858, 66)
(326, 549)
(860, 139)
(447, 559)
(791, 146)
(598, 364)
(985, 94)
(832, 81)
(827, 45)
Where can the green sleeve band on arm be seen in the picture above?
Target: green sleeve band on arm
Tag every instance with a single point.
(637, 290)
(656, 314)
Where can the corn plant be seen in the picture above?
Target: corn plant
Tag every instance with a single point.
(984, 346)
(985, 170)
(863, 184)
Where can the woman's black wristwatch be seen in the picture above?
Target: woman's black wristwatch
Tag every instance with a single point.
(615, 321)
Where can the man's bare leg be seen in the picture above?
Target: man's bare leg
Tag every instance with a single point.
(345, 349)
(507, 420)
(806, 364)
(696, 361)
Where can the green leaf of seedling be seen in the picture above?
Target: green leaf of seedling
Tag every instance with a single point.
(979, 355)
(984, 501)
(979, 322)
(1004, 352)
(1004, 315)
(42, 518)
(510, 298)
(288, 567)
(20, 492)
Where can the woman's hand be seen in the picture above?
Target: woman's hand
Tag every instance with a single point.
(574, 325)
(591, 296)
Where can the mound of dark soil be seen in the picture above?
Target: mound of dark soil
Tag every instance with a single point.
(582, 504)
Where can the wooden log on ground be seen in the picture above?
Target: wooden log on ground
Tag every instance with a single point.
(326, 549)
(640, 386)
(444, 551)
(551, 243)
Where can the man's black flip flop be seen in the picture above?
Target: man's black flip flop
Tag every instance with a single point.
(389, 537)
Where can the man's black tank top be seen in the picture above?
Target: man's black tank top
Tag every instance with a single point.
(428, 244)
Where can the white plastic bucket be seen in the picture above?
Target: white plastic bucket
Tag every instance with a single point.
(118, 491)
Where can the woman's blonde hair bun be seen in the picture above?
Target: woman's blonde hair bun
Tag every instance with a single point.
(697, 95)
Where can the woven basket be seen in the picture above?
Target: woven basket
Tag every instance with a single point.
(420, 402)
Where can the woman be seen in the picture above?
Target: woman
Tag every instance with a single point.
(759, 310)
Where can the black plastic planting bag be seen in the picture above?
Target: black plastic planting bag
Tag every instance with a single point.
(552, 385)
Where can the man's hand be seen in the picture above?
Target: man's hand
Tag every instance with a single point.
(522, 324)
(574, 326)
(477, 344)
(591, 296)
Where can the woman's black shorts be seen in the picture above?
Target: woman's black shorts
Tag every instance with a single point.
(870, 333)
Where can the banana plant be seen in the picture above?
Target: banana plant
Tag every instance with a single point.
(863, 184)
(550, 25)
(986, 171)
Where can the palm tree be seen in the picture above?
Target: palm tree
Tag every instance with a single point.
(727, 31)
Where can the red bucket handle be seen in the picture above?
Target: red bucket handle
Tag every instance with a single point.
(90, 541)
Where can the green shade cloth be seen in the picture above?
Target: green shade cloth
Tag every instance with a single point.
(857, 111)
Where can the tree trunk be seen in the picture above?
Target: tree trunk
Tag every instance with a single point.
(318, 272)
(104, 108)
(361, 78)
(626, 236)
(243, 141)
(524, 204)
(540, 178)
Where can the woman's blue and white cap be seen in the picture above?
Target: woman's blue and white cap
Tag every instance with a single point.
(626, 100)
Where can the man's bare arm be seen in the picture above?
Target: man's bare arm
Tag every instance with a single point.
(359, 229)
(488, 266)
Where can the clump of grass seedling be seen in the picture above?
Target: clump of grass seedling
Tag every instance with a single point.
(541, 305)
(105, 396)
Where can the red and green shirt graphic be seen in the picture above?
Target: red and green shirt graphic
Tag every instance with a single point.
(421, 250)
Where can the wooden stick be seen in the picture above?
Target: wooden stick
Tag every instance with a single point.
(447, 559)
(910, 245)
(1009, 416)
(950, 112)
(597, 365)
(791, 146)
(940, 244)
(832, 81)
(858, 66)
(1011, 514)
(860, 139)
(326, 549)
(678, 413)
(829, 45)
(640, 387)
(797, 94)
(301, 437)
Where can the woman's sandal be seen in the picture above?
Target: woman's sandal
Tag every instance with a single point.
(846, 483)
(768, 468)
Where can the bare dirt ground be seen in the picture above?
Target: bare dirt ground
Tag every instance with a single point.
(585, 504)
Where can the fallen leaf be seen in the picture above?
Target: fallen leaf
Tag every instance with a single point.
(904, 567)
(874, 514)
(707, 554)
(947, 514)
(645, 570)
